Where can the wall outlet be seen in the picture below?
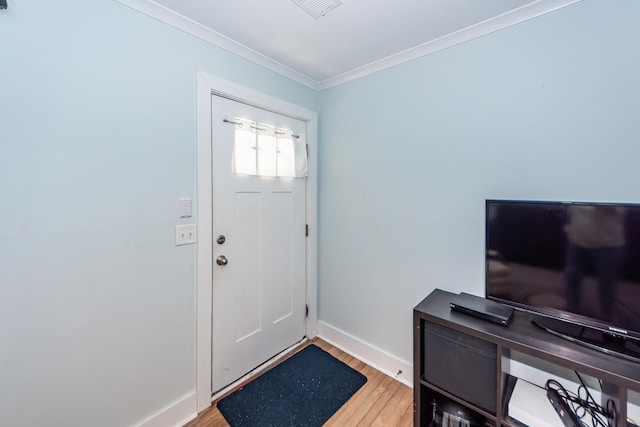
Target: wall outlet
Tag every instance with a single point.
(186, 234)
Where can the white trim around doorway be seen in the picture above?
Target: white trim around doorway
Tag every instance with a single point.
(206, 86)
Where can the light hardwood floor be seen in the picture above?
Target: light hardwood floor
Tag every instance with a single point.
(382, 401)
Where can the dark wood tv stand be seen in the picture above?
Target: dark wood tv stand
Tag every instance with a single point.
(462, 332)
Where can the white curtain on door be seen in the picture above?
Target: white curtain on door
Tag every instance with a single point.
(264, 150)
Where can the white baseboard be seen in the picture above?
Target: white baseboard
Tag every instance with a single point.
(376, 358)
(176, 414)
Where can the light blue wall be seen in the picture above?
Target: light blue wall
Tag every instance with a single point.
(547, 109)
(97, 144)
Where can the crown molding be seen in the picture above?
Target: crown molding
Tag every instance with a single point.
(513, 17)
(181, 22)
(516, 16)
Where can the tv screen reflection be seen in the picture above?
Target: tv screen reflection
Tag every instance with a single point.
(578, 258)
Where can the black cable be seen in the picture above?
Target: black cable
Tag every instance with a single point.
(583, 407)
(610, 411)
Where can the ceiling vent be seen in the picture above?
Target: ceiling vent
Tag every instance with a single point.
(317, 8)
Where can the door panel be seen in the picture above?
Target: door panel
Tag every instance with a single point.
(246, 279)
(283, 262)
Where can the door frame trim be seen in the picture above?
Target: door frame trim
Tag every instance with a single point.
(206, 86)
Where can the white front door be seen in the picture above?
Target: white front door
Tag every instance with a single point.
(258, 251)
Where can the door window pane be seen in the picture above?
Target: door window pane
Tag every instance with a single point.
(244, 151)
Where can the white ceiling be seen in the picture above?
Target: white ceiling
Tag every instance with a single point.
(354, 39)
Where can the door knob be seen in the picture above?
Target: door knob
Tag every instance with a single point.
(221, 239)
(222, 260)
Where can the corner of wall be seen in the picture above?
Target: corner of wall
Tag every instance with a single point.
(386, 363)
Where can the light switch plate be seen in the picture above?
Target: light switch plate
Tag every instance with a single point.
(185, 208)
(186, 234)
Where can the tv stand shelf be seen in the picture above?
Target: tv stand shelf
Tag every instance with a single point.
(459, 341)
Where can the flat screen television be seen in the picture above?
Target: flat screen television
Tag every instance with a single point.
(575, 266)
